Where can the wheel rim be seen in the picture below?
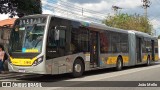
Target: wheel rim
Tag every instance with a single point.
(148, 61)
(78, 68)
(119, 64)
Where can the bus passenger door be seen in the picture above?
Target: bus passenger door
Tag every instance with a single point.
(153, 51)
(94, 57)
(52, 48)
(139, 49)
(132, 48)
(56, 49)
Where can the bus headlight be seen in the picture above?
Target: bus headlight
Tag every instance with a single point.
(38, 61)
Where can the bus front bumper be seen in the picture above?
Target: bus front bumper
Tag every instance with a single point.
(39, 69)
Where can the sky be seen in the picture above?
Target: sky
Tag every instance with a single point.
(100, 8)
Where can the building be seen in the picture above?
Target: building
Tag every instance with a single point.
(5, 29)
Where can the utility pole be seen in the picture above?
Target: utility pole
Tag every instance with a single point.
(82, 11)
(115, 8)
(146, 4)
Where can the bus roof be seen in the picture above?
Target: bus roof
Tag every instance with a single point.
(138, 33)
(35, 15)
(105, 27)
(94, 25)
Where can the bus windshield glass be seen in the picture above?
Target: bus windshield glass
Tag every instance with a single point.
(27, 35)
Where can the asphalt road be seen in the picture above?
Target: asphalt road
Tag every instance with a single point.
(106, 79)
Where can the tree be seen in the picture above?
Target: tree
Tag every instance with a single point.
(159, 37)
(129, 22)
(20, 7)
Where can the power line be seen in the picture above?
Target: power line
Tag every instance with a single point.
(88, 10)
(71, 5)
(77, 8)
(64, 11)
(70, 10)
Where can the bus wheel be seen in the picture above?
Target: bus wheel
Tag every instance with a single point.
(119, 64)
(78, 68)
(148, 61)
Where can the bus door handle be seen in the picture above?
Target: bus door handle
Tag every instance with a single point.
(52, 51)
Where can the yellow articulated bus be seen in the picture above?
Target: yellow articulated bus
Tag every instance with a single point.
(49, 44)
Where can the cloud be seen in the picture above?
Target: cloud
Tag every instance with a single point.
(85, 1)
(128, 3)
(128, 6)
(153, 10)
(104, 7)
(155, 22)
(107, 3)
(4, 16)
(45, 11)
(98, 9)
(156, 25)
(101, 8)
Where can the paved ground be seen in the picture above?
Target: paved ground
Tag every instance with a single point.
(10, 75)
(138, 73)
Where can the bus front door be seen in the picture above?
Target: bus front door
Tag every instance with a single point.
(94, 49)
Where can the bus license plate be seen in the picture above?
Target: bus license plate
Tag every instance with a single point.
(21, 70)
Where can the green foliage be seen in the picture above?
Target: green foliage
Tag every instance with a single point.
(159, 37)
(129, 22)
(20, 7)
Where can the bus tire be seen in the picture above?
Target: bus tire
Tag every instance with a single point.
(148, 61)
(119, 64)
(78, 68)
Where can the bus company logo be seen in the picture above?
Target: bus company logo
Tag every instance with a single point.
(21, 84)
(6, 84)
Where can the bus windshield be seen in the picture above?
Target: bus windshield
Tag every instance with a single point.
(27, 35)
